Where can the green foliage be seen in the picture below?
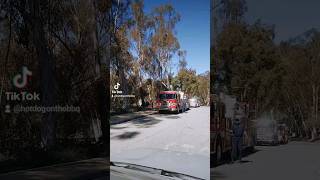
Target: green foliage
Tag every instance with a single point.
(246, 52)
(284, 77)
(192, 84)
(234, 10)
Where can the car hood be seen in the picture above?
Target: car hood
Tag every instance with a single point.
(181, 162)
(118, 173)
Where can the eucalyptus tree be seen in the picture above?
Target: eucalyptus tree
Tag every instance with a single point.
(164, 41)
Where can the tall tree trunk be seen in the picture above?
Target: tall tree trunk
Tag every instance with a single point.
(102, 78)
(107, 75)
(46, 66)
(314, 122)
(3, 79)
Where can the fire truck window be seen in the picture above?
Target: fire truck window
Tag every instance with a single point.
(167, 96)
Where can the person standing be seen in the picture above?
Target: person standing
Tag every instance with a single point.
(237, 138)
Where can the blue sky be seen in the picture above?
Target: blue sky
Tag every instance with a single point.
(290, 17)
(193, 31)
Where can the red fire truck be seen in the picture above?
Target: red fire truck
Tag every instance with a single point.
(219, 130)
(170, 101)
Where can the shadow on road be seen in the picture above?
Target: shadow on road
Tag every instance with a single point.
(173, 117)
(244, 161)
(126, 135)
(249, 152)
(145, 122)
(227, 157)
(168, 115)
(217, 175)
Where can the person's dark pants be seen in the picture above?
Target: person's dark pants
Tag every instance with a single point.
(236, 148)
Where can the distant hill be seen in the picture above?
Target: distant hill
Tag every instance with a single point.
(304, 37)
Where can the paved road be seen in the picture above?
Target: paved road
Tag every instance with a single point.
(294, 161)
(161, 137)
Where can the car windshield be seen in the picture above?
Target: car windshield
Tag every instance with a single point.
(167, 96)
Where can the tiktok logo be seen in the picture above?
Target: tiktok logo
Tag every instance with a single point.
(116, 87)
(20, 80)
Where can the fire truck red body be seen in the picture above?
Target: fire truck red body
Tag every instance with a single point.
(169, 101)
